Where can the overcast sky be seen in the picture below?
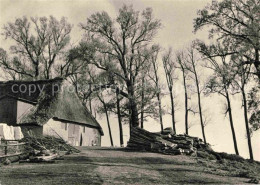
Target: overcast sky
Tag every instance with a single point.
(177, 19)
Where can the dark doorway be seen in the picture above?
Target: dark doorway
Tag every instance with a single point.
(81, 140)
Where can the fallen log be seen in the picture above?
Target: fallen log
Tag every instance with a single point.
(11, 158)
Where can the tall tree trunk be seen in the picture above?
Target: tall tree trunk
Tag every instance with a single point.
(133, 113)
(201, 119)
(160, 110)
(185, 99)
(186, 105)
(247, 124)
(130, 123)
(231, 122)
(119, 119)
(200, 109)
(89, 98)
(133, 106)
(49, 75)
(142, 104)
(158, 91)
(108, 124)
(48, 72)
(199, 98)
(172, 111)
(36, 68)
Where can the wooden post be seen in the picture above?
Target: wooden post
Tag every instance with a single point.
(5, 147)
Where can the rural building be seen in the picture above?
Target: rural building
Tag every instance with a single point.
(48, 107)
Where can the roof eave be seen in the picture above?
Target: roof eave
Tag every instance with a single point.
(79, 123)
(17, 98)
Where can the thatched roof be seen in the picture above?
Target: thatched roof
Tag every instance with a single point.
(54, 98)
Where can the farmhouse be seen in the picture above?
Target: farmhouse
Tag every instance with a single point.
(48, 107)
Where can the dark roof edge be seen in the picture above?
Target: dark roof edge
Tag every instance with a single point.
(20, 99)
(83, 124)
(32, 81)
(27, 124)
(62, 120)
(92, 117)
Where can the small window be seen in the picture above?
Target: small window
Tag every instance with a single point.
(66, 126)
(84, 129)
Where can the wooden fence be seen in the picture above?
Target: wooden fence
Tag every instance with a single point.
(6, 144)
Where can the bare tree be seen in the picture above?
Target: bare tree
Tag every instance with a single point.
(10, 67)
(235, 23)
(180, 60)
(147, 93)
(191, 66)
(240, 82)
(118, 82)
(155, 78)
(142, 101)
(105, 109)
(88, 81)
(169, 68)
(123, 41)
(119, 118)
(221, 81)
(38, 43)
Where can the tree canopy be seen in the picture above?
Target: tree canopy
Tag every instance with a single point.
(37, 44)
(236, 25)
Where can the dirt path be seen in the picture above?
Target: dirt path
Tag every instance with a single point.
(117, 166)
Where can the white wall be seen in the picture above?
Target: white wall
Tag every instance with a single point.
(91, 136)
(72, 133)
(22, 107)
(56, 129)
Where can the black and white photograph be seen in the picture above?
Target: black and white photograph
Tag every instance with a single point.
(129, 92)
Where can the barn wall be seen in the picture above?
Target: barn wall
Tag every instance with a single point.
(8, 110)
(91, 136)
(56, 129)
(74, 134)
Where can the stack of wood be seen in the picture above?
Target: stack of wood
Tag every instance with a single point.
(164, 142)
(38, 149)
(47, 148)
(48, 143)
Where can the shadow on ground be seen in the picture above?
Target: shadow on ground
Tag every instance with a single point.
(120, 166)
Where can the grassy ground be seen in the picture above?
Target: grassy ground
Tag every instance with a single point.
(118, 166)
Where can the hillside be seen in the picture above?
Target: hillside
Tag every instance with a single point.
(121, 166)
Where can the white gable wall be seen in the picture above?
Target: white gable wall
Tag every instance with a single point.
(56, 129)
(74, 134)
(91, 136)
(22, 108)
